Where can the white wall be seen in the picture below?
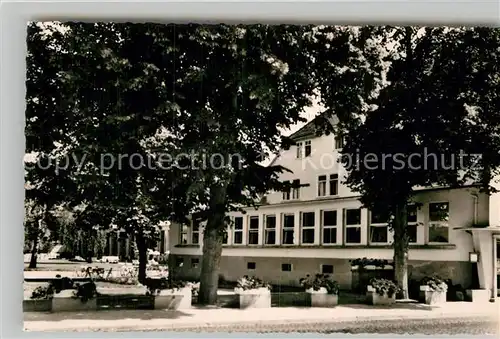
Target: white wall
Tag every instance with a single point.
(460, 242)
(322, 161)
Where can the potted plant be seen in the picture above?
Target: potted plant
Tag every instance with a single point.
(169, 294)
(253, 293)
(40, 299)
(71, 296)
(382, 291)
(433, 290)
(324, 291)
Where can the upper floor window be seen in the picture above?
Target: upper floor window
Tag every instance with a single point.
(288, 229)
(379, 227)
(296, 190)
(352, 221)
(411, 219)
(293, 193)
(439, 214)
(308, 227)
(183, 234)
(253, 231)
(321, 185)
(334, 184)
(195, 234)
(307, 148)
(238, 230)
(304, 149)
(339, 141)
(329, 226)
(270, 230)
(299, 146)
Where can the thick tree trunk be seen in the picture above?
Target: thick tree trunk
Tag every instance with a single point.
(209, 278)
(401, 250)
(212, 247)
(143, 257)
(34, 250)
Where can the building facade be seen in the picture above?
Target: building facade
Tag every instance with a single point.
(319, 228)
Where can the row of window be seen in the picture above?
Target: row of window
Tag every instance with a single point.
(304, 148)
(438, 231)
(328, 185)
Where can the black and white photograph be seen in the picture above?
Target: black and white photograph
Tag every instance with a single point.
(262, 178)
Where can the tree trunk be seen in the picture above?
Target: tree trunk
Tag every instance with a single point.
(209, 277)
(143, 257)
(34, 250)
(212, 247)
(401, 250)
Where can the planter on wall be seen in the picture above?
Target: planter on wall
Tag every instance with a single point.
(322, 298)
(37, 305)
(480, 295)
(375, 298)
(65, 301)
(431, 297)
(174, 299)
(254, 298)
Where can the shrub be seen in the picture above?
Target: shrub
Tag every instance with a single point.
(85, 291)
(320, 280)
(363, 262)
(251, 283)
(435, 283)
(384, 286)
(43, 292)
(154, 286)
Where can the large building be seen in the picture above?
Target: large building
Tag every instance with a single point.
(321, 227)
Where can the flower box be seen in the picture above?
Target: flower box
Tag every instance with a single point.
(480, 295)
(321, 297)
(254, 298)
(65, 301)
(173, 299)
(37, 305)
(376, 298)
(432, 297)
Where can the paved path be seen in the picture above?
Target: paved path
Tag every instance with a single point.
(290, 319)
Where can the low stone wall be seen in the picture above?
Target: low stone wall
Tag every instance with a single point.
(64, 302)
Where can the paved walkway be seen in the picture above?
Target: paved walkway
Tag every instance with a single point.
(200, 318)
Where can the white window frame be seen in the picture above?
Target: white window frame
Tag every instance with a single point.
(235, 230)
(323, 227)
(183, 230)
(333, 177)
(288, 229)
(300, 151)
(193, 232)
(253, 230)
(306, 144)
(429, 222)
(346, 226)
(381, 224)
(302, 228)
(296, 190)
(336, 141)
(413, 223)
(287, 195)
(321, 183)
(268, 230)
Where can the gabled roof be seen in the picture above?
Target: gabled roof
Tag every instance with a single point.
(310, 129)
(306, 132)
